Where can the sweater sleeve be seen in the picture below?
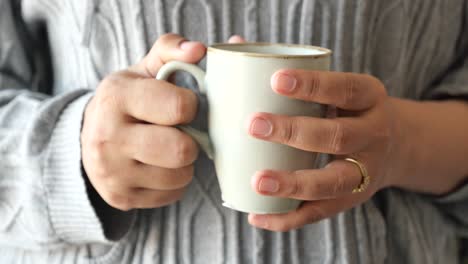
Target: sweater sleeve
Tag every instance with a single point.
(45, 201)
(454, 85)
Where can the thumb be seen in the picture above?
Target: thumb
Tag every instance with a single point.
(236, 39)
(169, 47)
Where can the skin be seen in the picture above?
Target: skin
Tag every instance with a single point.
(130, 119)
(121, 155)
(416, 146)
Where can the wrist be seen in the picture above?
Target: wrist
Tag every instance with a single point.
(430, 146)
(402, 153)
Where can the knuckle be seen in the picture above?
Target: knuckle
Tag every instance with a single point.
(96, 154)
(179, 178)
(184, 175)
(97, 143)
(315, 188)
(377, 83)
(339, 185)
(289, 134)
(312, 85)
(178, 195)
(163, 39)
(315, 214)
(306, 188)
(339, 138)
(169, 198)
(378, 88)
(111, 82)
(122, 202)
(350, 93)
(185, 151)
(100, 166)
(95, 132)
(184, 107)
(108, 94)
(101, 136)
(99, 139)
(297, 187)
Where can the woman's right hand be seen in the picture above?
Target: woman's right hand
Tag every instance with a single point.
(132, 154)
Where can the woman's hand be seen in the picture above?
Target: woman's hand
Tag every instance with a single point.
(366, 130)
(132, 155)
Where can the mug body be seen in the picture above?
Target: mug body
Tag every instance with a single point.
(238, 85)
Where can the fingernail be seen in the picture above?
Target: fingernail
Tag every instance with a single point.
(268, 185)
(284, 83)
(186, 45)
(261, 127)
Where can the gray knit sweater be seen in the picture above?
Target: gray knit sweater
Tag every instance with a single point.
(54, 52)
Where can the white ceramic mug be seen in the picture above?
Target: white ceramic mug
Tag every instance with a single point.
(237, 84)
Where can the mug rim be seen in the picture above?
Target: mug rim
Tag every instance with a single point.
(217, 47)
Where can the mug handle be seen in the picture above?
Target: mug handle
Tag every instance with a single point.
(166, 70)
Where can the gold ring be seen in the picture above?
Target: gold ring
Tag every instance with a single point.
(365, 180)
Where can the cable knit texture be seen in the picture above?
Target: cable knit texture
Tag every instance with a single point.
(53, 53)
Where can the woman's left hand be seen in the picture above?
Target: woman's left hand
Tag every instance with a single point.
(366, 129)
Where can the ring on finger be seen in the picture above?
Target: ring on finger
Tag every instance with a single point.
(365, 178)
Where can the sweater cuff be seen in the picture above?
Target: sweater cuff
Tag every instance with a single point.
(72, 215)
(455, 206)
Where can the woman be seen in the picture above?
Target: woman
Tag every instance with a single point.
(88, 136)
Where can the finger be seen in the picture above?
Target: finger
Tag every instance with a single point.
(158, 178)
(161, 146)
(145, 198)
(337, 179)
(169, 47)
(347, 91)
(150, 100)
(236, 39)
(307, 213)
(141, 198)
(333, 136)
